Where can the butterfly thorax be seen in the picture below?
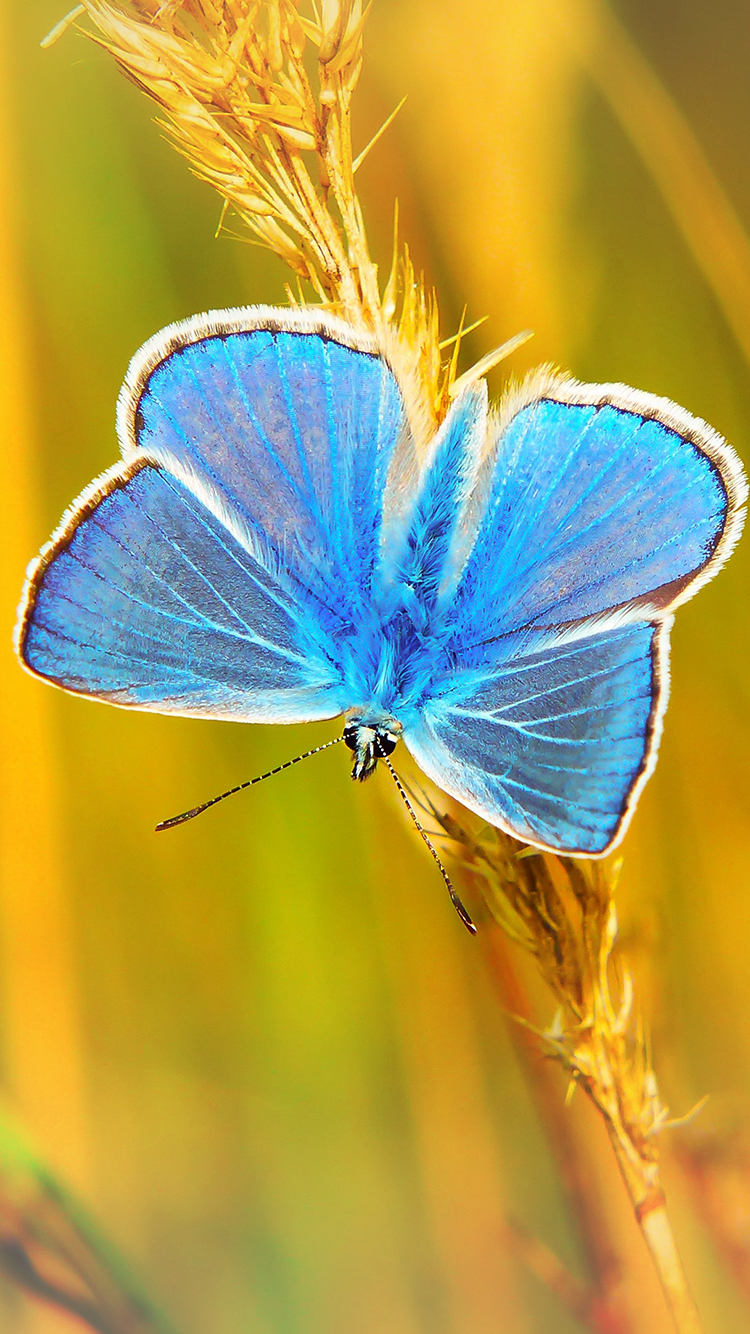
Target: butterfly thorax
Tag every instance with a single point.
(387, 666)
(371, 737)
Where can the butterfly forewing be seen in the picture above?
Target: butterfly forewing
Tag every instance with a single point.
(594, 505)
(149, 601)
(295, 430)
(213, 570)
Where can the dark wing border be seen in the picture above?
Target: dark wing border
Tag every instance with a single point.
(546, 384)
(81, 509)
(268, 319)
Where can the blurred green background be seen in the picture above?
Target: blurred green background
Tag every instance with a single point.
(262, 1049)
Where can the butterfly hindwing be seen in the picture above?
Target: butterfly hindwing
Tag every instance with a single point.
(554, 744)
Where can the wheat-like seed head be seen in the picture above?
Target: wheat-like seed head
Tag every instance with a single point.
(256, 94)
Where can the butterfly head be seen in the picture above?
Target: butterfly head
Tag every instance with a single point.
(371, 738)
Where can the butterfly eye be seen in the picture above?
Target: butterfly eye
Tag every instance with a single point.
(387, 742)
(350, 737)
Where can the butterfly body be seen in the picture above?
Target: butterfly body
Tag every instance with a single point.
(284, 541)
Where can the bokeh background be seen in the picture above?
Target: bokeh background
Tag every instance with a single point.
(261, 1049)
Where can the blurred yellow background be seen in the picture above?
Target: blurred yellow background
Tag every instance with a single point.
(262, 1049)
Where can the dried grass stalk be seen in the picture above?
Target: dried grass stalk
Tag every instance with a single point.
(561, 911)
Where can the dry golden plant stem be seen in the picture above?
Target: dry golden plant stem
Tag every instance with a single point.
(561, 910)
(257, 94)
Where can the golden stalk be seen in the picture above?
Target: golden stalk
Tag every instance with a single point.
(561, 911)
(257, 96)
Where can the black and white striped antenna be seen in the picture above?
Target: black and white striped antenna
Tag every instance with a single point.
(455, 900)
(250, 782)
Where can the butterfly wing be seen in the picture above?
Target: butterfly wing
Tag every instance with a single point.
(211, 572)
(294, 419)
(595, 497)
(597, 511)
(554, 746)
(146, 598)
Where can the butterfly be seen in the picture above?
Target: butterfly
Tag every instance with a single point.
(283, 542)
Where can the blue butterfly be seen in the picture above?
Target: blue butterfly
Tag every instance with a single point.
(282, 542)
